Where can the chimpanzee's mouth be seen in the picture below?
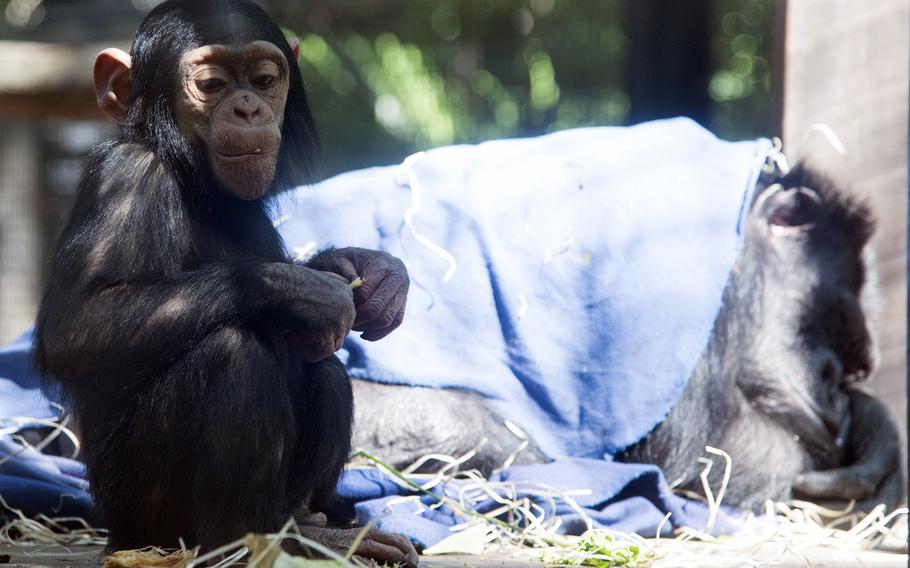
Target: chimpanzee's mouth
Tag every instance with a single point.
(254, 153)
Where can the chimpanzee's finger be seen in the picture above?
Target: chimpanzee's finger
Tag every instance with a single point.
(373, 308)
(402, 542)
(843, 483)
(388, 547)
(345, 267)
(382, 553)
(372, 280)
(377, 270)
(377, 334)
(388, 314)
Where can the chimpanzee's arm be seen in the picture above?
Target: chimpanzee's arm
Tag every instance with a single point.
(97, 330)
(873, 472)
(130, 291)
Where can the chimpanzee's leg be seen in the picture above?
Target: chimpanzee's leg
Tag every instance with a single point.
(324, 407)
(200, 452)
(127, 466)
(247, 436)
(217, 446)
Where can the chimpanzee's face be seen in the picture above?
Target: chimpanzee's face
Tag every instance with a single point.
(805, 247)
(231, 103)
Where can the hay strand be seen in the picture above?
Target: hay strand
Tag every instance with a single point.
(21, 530)
(151, 557)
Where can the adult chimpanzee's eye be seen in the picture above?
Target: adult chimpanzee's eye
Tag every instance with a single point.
(792, 207)
(263, 80)
(210, 85)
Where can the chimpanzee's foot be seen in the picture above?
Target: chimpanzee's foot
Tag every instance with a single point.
(382, 547)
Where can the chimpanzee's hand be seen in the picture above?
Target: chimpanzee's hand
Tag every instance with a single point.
(319, 307)
(873, 444)
(381, 300)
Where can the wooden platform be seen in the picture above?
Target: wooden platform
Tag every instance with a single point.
(688, 555)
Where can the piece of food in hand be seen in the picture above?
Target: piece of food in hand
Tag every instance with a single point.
(357, 283)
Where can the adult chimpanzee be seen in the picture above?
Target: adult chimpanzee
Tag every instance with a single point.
(195, 356)
(776, 386)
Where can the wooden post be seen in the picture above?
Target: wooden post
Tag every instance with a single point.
(846, 67)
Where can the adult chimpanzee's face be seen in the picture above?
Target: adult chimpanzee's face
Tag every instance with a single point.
(231, 103)
(804, 271)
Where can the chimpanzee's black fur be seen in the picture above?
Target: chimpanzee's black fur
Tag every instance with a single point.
(163, 319)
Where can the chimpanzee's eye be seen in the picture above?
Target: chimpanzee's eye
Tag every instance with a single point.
(211, 85)
(263, 80)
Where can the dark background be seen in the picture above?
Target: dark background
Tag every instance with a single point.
(388, 77)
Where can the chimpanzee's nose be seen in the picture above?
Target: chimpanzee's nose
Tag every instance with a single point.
(247, 109)
(829, 367)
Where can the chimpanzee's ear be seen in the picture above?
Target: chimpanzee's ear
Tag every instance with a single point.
(112, 82)
(295, 47)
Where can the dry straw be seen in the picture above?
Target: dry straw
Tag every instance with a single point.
(517, 526)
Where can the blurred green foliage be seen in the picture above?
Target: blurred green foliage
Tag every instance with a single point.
(388, 78)
(741, 85)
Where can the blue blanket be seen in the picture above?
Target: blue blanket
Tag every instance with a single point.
(572, 279)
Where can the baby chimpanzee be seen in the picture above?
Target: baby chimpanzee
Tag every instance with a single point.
(195, 355)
